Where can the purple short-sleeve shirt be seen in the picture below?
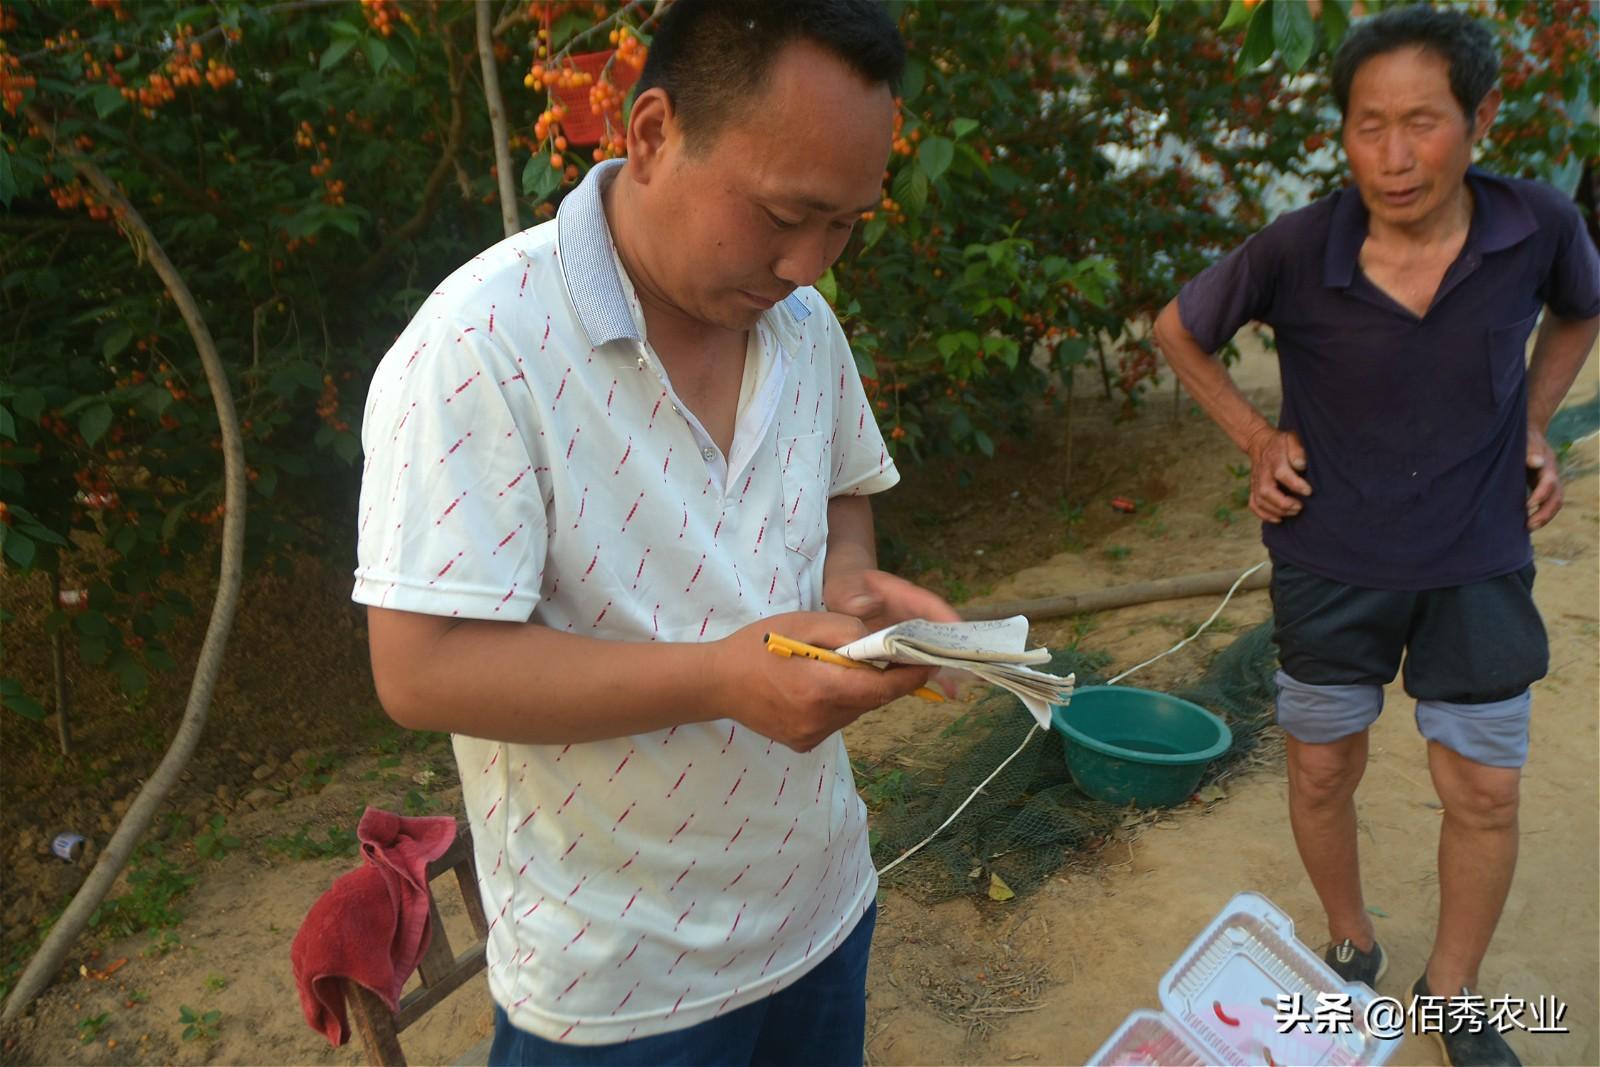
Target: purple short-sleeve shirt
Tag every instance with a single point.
(1414, 428)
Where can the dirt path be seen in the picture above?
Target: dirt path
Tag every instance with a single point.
(1055, 971)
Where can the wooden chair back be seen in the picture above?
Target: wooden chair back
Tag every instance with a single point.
(442, 971)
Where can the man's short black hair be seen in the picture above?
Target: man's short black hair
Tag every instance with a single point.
(713, 56)
(1466, 43)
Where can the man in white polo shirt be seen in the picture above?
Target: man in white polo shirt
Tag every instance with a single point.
(606, 457)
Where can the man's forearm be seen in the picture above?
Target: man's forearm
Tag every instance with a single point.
(1208, 381)
(527, 683)
(1558, 355)
(852, 544)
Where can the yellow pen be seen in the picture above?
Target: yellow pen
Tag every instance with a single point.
(779, 645)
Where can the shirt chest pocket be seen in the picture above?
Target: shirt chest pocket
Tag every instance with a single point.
(1507, 359)
(805, 493)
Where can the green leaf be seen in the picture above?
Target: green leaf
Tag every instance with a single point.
(1153, 30)
(911, 81)
(827, 285)
(935, 155)
(347, 446)
(19, 547)
(39, 532)
(1258, 39)
(267, 482)
(94, 422)
(8, 180)
(130, 672)
(29, 404)
(336, 51)
(117, 338)
(1294, 32)
(1335, 21)
(1238, 14)
(92, 624)
(92, 650)
(8, 423)
(911, 189)
(107, 100)
(873, 231)
(169, 525)
(568, 26)
(959, 128)
(400, 55)
(539, 178)
(340, 219)
(377, 53)
(12, 696)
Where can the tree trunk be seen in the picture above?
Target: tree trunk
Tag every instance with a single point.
(47, 960)
(58, 664)
(497, 121)
(1209, 583)
(1066, 472)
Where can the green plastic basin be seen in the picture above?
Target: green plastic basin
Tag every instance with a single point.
(1136, 746)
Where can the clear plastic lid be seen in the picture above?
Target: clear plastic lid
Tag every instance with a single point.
(1225, 990)
(1223, 1006)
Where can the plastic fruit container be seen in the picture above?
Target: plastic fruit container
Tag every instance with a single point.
(1221, 1001)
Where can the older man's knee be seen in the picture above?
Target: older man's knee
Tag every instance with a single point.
(1479, 797)
(1327, 774)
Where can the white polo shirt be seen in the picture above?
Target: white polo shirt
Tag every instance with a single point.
(528, 460)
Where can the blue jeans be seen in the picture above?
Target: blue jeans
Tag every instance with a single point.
(821, 1019)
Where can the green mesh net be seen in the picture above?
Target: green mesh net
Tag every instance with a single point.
(1031, 818)
(1574, 422)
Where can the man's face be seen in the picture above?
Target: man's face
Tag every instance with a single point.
(1408, 141)
(767, 202)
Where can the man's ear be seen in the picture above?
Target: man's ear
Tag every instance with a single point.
(1487, 109)
(652, 133)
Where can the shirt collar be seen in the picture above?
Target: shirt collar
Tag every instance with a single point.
(590, 269)
(1500, 220)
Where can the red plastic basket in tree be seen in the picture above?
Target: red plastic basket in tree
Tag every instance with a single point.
(581, 125)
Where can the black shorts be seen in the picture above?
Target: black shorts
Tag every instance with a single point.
(1468, 644)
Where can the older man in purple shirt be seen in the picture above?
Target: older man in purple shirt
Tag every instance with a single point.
(1408, 466)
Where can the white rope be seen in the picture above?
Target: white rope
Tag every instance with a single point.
(1198, 631)
(914, 849)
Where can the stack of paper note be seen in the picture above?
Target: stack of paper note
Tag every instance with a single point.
(993, 650)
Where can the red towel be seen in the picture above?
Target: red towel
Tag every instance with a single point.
(371, 926)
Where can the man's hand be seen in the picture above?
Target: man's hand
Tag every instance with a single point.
(1544, 481)
(801, 702)
(880, 599)
(1277, 459)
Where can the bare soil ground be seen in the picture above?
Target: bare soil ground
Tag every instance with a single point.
(297, 748)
